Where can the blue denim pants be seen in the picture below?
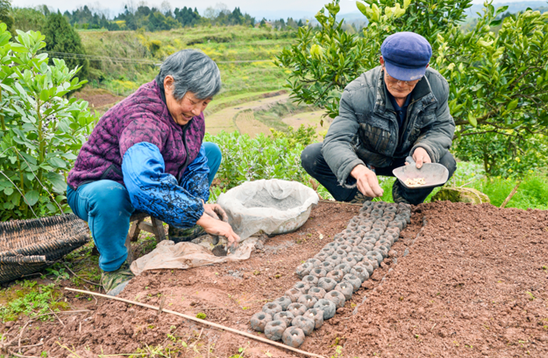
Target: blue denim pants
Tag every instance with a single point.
(106, 207)
(314, 163)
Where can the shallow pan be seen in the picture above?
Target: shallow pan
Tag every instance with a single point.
(434, 174)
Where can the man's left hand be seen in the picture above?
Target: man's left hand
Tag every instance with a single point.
(216, 212)
(420, 156)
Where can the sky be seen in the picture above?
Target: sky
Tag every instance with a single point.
(257, 8)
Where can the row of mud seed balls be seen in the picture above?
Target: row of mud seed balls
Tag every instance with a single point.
(330, 278)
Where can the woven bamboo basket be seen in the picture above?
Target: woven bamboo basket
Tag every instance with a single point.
(28, 246)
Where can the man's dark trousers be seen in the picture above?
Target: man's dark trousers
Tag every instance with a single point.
(314, 163)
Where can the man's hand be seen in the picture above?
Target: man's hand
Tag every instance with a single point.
(216, 212)
(217, 227)
(367, 181)
(420, 156)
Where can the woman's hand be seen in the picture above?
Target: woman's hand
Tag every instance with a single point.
(217, 227)
(216, 212)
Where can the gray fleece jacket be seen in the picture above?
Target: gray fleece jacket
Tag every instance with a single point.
(366, 131)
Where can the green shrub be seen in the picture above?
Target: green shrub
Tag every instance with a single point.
(262, 157)
(41, 131)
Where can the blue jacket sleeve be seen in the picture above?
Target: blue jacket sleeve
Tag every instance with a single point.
(155, 192)
(195, 179)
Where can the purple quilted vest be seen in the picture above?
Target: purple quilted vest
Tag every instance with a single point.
(141, 117)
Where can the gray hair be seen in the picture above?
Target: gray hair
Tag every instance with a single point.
(192, 71)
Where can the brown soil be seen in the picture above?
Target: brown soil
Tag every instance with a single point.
(464, 280)
(98, 98)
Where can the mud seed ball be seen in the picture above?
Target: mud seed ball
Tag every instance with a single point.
(310, 280)
(360, 272)
(316, 315)
(283, 301)
(285, 316)
(259, 321)
(297, 309)
(336, 275)
(304, 269)
(343, 267)
(306, 324)
(302, 286)
(327, 283)
(293, 337)
(308, 300)
(275, 329)
(293, 294)
(345, 288)
(317, 292)
(318, 272)
(336, 297)
(328, 308)
(353, 280)
(272, 308)
(327, 266)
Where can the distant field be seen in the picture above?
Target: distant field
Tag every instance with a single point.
(252, 92)
(223, 44)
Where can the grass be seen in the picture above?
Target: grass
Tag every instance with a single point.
(233, 43)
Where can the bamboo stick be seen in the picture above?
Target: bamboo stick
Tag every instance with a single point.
(232, 330)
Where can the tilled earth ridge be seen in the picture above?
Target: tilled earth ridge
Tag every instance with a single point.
(471, 285)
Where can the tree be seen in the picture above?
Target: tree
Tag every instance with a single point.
(63, 40)
(5, 16)
(498, 81)
(26, 19)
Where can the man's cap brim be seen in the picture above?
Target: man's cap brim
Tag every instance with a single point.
(404, 74)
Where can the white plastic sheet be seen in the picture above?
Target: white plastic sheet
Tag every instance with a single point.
(286, 208)
(185, 255)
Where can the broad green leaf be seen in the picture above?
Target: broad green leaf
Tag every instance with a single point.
(512, 105)
(32, 197)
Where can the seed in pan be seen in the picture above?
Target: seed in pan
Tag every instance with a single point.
(355, 255)
(321, 256)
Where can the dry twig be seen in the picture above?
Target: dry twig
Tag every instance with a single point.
(201, 321)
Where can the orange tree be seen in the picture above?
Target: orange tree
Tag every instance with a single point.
(498, 80)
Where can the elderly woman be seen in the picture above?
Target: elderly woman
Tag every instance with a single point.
(147, 154)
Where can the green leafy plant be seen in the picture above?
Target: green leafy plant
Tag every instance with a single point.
(41, 131)
(262, 157)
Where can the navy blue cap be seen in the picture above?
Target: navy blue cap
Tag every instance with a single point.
(406, 55)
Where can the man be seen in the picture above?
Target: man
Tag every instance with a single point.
(395, 110)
